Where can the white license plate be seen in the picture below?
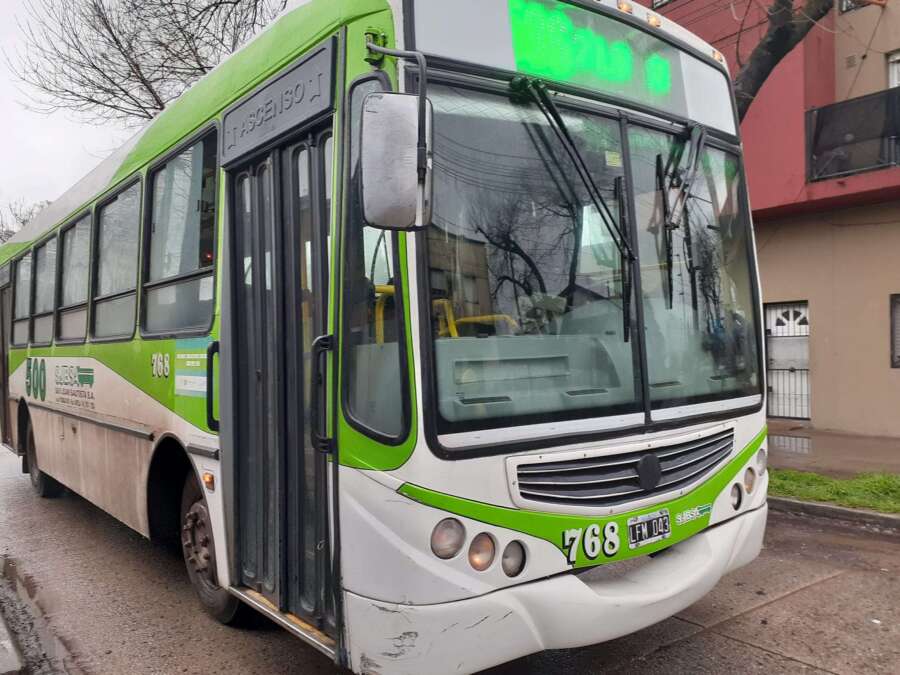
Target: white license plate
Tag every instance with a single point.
(649, 528)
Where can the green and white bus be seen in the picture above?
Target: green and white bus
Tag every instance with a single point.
(430, 328)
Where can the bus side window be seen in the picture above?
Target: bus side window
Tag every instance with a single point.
(178, 293)
(117, 264)
(373, 347)
(22, 307)
(44, 286)
(74, 252)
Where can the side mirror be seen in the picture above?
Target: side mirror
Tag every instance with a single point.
(395, 161)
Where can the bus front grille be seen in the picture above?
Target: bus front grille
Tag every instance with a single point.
(615, 479)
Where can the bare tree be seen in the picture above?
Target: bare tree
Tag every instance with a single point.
(16, 215)
(125, 60)
(787, 26)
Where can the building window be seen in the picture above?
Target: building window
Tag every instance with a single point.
(894, 69)
(22, 309)
(44, 285)
(178, 295)
(895, 331)
(118, 227)
(73, 291)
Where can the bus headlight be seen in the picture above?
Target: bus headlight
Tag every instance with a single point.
(737, 496)
(481, 552)
(448, 538)
(749, 480)
(762, 460)
(513, 560)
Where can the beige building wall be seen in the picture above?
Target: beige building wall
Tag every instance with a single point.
(846, 264)
(856, 29)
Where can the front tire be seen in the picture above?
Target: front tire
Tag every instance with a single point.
(43, 485)
(199, 552)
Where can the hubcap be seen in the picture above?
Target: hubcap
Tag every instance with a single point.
(197, 543)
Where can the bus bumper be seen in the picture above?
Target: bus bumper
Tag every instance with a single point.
(560, 612)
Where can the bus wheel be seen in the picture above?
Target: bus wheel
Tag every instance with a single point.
(43, 484)
(200, 556)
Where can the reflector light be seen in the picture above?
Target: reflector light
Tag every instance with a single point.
(209, 481)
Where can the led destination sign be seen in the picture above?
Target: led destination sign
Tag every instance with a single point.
(567, 43)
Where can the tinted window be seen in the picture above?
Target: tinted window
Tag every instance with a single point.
(184, 211)
(182, 227)
(527, 291)
(374, 395)
(44, 277)
(696, 276)
(75, 263)
(118, 243)
(117, 251)
(23, 287)
(23, 301)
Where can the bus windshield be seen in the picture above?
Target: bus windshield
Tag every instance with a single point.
(527, 291)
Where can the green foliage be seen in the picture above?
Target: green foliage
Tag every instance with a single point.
(876, 491)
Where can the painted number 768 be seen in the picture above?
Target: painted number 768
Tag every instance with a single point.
(160, 365)
(591, 542)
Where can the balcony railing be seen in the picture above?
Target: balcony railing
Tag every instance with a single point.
(860, 134)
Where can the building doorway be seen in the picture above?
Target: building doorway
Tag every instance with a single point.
(787, 359)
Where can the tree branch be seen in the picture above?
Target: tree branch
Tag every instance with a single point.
(785, 31)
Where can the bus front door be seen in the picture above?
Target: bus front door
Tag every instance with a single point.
(281, 214)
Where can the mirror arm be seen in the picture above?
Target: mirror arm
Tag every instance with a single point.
(419, 57)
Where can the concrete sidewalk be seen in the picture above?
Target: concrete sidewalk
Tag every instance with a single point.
(796, 445)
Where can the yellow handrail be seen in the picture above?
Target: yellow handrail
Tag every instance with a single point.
(383, 293)
(447, 321)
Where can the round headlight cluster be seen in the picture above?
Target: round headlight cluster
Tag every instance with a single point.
(448, 538)
(762, 460)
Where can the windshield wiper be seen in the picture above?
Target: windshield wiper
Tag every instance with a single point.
(536, 90)
(674, 213)
(626, 267)
(663, 189)
(683, 179)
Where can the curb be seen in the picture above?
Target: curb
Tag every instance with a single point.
(880, 521)
(10, 661)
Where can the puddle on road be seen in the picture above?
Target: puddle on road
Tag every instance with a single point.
(20, 602)
(797, 445)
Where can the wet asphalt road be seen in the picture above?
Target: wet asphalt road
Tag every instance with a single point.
(821, 598)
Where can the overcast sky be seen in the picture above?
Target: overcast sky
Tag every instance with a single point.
(43, 155)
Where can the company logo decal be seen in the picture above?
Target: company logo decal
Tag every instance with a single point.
(74, 385)
(693, 514)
